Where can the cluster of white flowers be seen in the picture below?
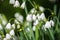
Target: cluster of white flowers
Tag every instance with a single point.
(17, 4)
(11, 32)
(48, 24)
(34, 17)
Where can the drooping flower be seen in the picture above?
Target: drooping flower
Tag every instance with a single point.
(16, 21)
(29, 17)
(33, 10)
(34, 17)
(35, 22)
(23, 5)
(18, 26)
(28, 30)
(8, 36)
(12, 33)
(47, 25)
(42, 16)
(52, 22)
(41, 8)
(38, 17)
(8, 26)
(20, 18)
(11, 1)
(13, 26)
(17, 15)
(16, 4)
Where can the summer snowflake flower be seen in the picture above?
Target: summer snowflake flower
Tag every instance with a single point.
(42, 16)
(13, 26)
(8, 36)
(34, 17)
(18, 26)
(12, 1)
(33, 10)
(28, 29)
(41, 8)
(17, 15)
(12, 33)
(52, 22)
(20, 18)
(8, 26)
(23, 5)
(4, 39)
(47, 25)
(36, 22)
(16, 4)
(16, 21)
(1, 27)
(38, 17)
(29, 17)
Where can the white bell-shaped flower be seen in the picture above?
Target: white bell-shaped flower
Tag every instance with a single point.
(33, 10)
(1, 27)
(11, 1)
(17, 15)
(8, 36)
(20, 18)
(42, 16)
(16, 21)
(29, 17)
(28, 30)
(38, 17)
(52, 22)
(8, 26)
(16, 4)
(13, 26)
(36, 22)
(23, 5)
(47, 25)
(4, 39)
(34, 17)
(18, 26)
(41, 8)
(12, 33)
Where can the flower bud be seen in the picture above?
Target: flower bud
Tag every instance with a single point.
(41, 8)
(23, 5)
(12, 1)
(16, 4)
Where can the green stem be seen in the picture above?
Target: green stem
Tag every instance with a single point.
(11, 19)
